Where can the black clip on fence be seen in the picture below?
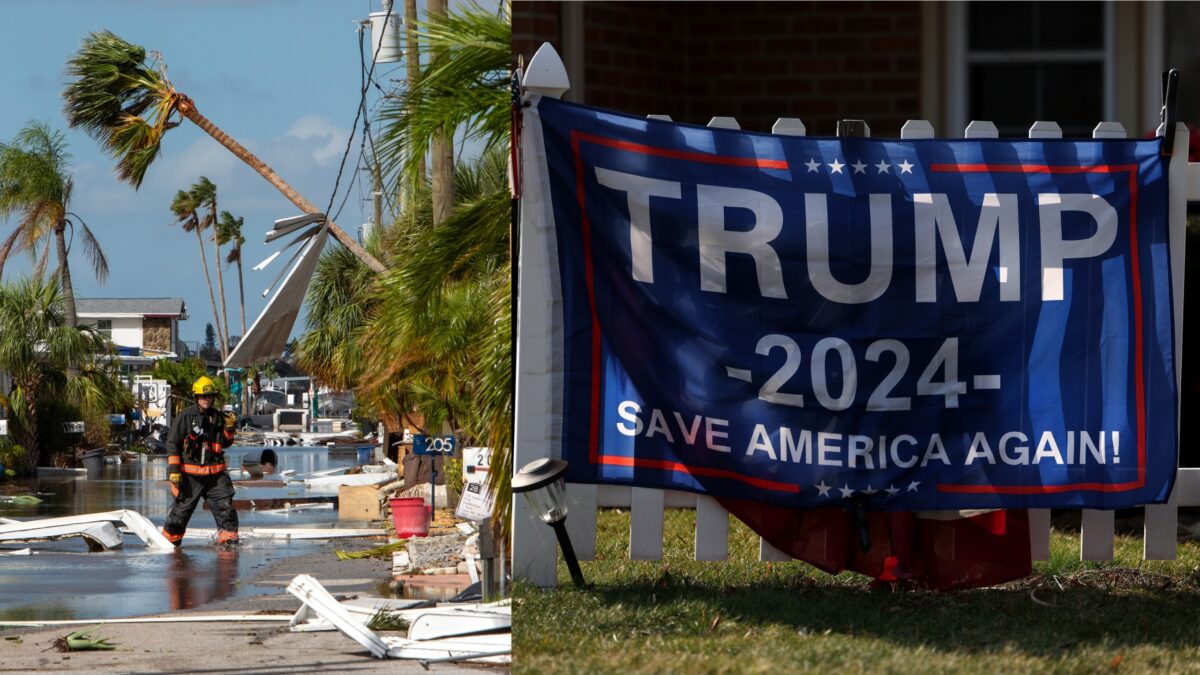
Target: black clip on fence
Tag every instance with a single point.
(1168, 115)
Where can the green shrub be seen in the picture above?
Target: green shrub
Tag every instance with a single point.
(453, 469)
(10, 456)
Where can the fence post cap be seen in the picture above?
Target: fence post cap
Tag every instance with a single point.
(546, 75)
(1045, 129)
(789, 126)
(916, 129)
(981, 129)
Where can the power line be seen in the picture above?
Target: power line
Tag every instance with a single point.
(357, 114)
(375, 168)
(346, 196)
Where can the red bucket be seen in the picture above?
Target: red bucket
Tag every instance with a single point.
(411, 517)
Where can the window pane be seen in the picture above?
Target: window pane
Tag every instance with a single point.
(1069, 25)
(1004, 94)
(1072, 93)
(1015, 96)
(1183, 25)
(1000, 25)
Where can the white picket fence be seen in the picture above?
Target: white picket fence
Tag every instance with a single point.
(534, 548)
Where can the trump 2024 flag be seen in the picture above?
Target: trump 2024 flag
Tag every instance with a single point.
(921, 324)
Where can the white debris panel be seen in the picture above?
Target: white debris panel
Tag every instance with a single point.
(269, 334)
(489, 648)
(334, 482)
(90, 527)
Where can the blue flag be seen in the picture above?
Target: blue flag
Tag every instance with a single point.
(923, 324)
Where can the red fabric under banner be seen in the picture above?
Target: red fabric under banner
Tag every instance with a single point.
(936, 551)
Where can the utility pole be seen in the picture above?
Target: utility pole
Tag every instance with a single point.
(378, 198)
(413, 54)
(442, 147)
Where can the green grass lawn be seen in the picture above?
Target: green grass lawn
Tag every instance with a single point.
(744, 616)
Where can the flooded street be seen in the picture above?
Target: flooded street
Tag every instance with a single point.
(62, 580)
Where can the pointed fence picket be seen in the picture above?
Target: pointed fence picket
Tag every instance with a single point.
(546, 78)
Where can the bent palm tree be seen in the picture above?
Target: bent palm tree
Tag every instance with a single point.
(124, 100)
(229, 231)
(34, 181)
(186, 207)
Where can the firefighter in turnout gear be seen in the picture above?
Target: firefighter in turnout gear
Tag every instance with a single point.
(196, 465)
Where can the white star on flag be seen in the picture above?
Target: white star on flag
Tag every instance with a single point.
(905, 167)
(823, 488)
(812, 164)
(869, 491)
(859, 167)
(846, 491)
(912, 487)
(891, 490)
(835, 166)
(883, 166)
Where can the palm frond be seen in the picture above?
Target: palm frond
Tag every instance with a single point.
(205, 192)
(37, 223)
(135, 144)
(229, 230)
(120, 99)
(91, 248)
(7, 248)
(34, 178)
(465, 87)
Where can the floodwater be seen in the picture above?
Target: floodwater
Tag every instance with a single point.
(62, 580)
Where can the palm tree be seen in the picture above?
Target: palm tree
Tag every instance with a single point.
(35, 182)
(229, 231)
(438, 337)
(434, 339)
(50, 362)
(341, 299)
(186, 207)
(459, 268)
(124, 100)
(206, 196)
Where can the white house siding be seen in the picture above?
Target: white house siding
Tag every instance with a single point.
(127, 332)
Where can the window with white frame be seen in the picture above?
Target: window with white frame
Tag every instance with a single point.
(1029, 61)
(104, 327)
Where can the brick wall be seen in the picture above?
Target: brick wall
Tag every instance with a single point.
(819, 61)
(534, 23)
(156, 333)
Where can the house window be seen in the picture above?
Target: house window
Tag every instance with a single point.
(1032, 61)
(104, 327)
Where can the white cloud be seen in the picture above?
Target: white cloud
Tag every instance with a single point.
(331, 137)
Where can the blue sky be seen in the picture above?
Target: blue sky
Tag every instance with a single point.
(281, 77)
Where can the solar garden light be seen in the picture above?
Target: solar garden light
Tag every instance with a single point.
(541, 483)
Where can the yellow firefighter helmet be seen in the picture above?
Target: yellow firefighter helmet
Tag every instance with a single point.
(204, 387)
